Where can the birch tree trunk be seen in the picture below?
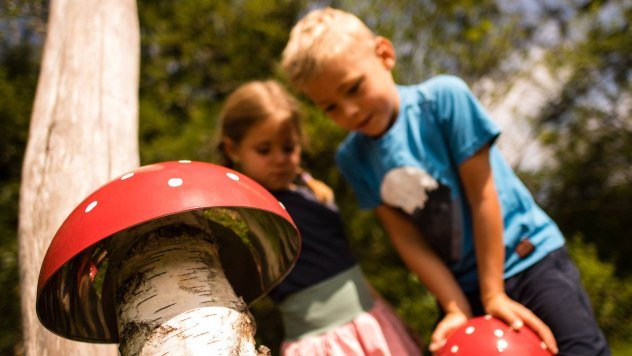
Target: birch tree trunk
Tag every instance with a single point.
(173, 298)
(84, 131)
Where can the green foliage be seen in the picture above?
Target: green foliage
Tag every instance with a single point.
(465, 38)
(193, 54)
(611, 296)
(10, 326)
(19, 54)
(589, 129)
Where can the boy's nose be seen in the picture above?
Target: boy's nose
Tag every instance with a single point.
(350, 111)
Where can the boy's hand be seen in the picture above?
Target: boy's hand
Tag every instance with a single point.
(446, 326)
(516, 315)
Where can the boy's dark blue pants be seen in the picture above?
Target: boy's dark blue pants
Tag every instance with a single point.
(553, 291)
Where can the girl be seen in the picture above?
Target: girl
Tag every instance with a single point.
(326, 304)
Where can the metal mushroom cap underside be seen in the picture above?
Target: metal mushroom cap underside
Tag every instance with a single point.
(258, 241)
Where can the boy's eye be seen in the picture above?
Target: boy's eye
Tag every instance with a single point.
(356, 86)
(330, 108)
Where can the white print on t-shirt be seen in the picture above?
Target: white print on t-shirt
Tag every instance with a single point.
(429, 206)
(406, 188)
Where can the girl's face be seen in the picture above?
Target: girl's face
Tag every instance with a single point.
(269, 153)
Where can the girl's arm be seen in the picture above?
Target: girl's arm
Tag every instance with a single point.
(478, 182)
(432, 272)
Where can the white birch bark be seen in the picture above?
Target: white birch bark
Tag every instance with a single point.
(172, 297)
(84, 131)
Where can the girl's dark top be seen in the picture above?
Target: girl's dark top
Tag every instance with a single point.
(325, 251)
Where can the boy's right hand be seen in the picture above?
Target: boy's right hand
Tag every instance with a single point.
(447, 325)
(516, 315)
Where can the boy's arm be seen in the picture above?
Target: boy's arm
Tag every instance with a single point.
(482, 197)
(432, 272)
(487, 223)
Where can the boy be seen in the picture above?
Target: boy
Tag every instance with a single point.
(423, 158)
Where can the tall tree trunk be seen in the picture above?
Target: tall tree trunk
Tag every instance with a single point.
(84, 131)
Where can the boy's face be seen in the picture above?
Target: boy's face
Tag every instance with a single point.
(357, 91)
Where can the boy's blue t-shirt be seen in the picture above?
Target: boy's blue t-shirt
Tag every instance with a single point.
(414, 166)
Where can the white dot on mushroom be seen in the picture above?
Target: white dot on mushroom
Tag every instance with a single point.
(499, 333)
(184, 161)
(501, 345)
(469, 330)
(128, 175)
(283, 206)
(175, 182)
(91, 206)
(454, 349)
(232, 176)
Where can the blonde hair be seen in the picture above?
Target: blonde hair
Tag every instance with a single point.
(321, 36)
(251, 104)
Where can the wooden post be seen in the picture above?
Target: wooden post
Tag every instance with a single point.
(84, 131)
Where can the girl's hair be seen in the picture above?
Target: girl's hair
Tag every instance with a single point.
(251, 104)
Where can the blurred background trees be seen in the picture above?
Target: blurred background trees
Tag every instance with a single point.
(555, 74)
(21, 36)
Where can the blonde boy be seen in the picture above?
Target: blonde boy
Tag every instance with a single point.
(423, 158)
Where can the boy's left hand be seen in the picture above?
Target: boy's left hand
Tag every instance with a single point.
(516, 315)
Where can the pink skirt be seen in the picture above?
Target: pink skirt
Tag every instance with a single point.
(376, 332)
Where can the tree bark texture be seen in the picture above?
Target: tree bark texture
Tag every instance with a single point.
(172, 297)
(84, 131)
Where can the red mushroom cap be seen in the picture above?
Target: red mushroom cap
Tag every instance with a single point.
(70, 298)
(490, 336)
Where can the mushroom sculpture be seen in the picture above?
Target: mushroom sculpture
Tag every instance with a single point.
(487, 335)
(165, 260)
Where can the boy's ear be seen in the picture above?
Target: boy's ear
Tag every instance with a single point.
(385, 51)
